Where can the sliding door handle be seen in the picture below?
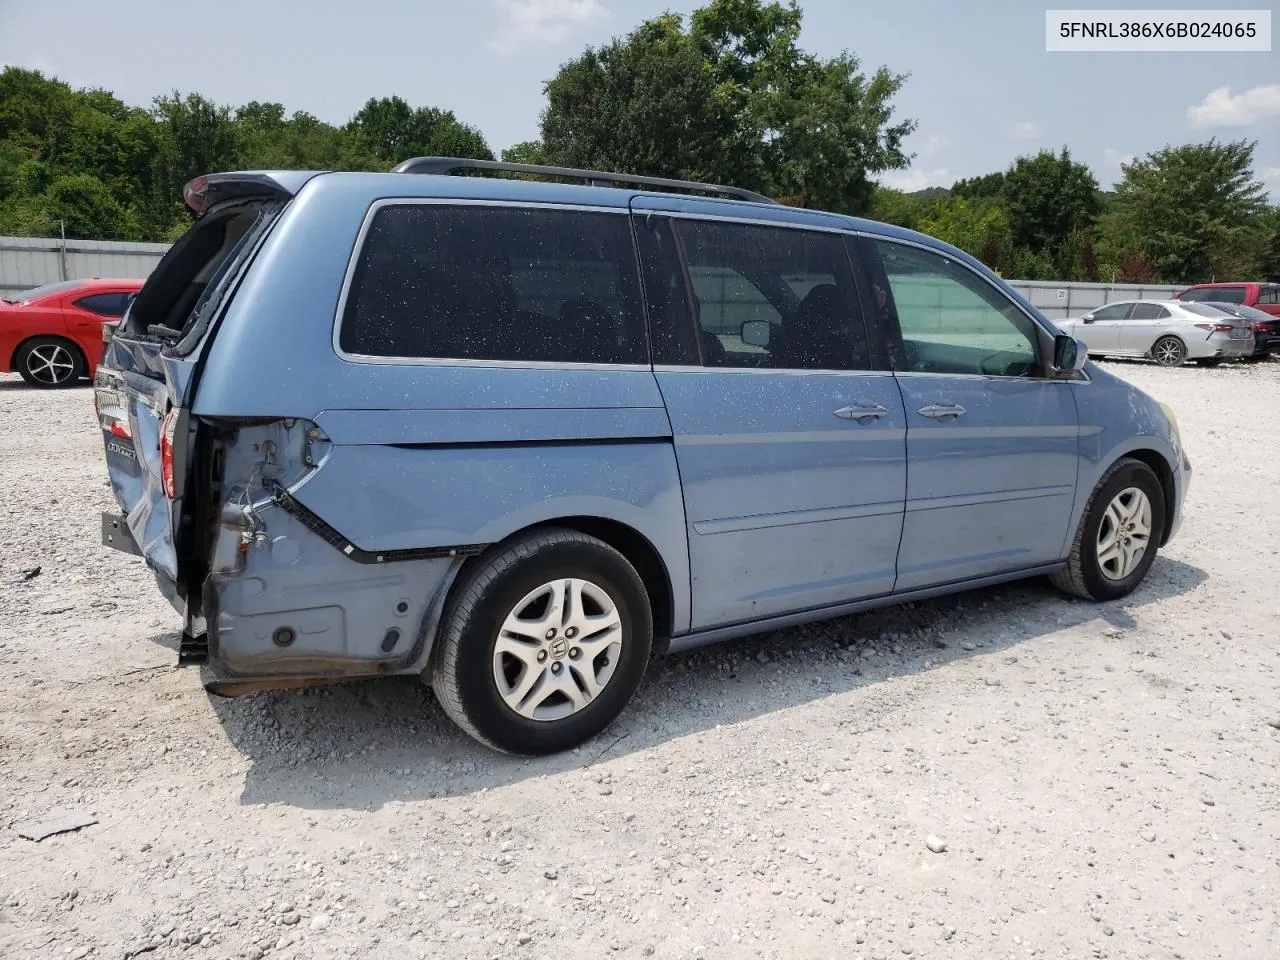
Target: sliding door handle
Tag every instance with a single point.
(864, 411)
(942, 410)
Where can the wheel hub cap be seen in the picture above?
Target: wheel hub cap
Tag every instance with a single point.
(1124, 533)
(557, 649)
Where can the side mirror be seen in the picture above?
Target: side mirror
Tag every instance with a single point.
(1087, 318)
(755, 333)
(1069, 354)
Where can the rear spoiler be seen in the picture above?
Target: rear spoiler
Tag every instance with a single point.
(213, 188)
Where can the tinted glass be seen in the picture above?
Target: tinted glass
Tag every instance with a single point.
(1220, 294)
(773, 297)
(1269, 295)
(1148, 311)
(496, 283)
(1115, 311)
(104, 304)
(672, 333)
(953, 321)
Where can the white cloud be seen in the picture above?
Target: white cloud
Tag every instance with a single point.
(1221, 108)
(1113, 159)
(526, 22)
(918, 179)
(1271, 178)
(1024, 130)
(935, 144)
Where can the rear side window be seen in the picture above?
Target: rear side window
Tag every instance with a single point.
(1269, 295)
(1148, 311)
(478, 282)
(104, 304)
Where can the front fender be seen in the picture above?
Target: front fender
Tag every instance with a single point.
(1116, 420)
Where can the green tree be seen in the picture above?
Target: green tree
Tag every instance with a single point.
(979, 227)
(990, 185)
(731, 99)
(1196, 211)
(392, 131)
(81, 205)
(903, 209)
(199, 137)
(643, 105)
(1049, 197)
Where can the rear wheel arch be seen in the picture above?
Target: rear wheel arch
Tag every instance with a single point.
(634, 546)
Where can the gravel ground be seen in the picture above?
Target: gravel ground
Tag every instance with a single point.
(1005, 774)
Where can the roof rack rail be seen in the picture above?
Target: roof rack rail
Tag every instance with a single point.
(448, 165)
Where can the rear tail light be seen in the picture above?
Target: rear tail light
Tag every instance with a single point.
(167, 428)
(1215, 327)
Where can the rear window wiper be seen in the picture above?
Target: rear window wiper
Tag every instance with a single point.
(160, 330)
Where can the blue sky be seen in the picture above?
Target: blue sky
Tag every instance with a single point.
(981, 84)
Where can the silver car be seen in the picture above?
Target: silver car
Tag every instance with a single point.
(1170, 332)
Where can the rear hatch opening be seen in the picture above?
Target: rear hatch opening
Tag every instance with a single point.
(161, 461)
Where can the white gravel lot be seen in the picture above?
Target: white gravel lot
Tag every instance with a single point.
(1104, 778)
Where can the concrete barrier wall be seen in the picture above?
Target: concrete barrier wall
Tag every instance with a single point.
(27, 262)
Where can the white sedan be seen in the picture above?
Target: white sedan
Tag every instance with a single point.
(1170, 332)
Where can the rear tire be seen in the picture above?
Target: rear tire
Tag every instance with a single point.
(1169, 352)
(544, 642)
(49, 362)
(1125, 513)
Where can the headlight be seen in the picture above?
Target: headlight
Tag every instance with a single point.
(1174, 434)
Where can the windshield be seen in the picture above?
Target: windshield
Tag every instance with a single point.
(43, 291)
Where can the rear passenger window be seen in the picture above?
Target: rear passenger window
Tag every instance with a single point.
(104, 304)
(773, 297)
(478, 282)
(1148, 311)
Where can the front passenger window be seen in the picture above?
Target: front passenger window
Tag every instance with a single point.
(951, 320)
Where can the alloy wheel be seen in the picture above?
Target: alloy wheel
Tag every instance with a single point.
(51, 363)
(1168, 353)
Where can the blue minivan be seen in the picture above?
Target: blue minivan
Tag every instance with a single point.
(515, 436)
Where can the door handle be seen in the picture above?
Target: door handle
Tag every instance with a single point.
(864, 411)
(942, 410)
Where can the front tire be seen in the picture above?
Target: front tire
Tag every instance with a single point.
(544, 643)
(49, 362)
(1169, 352)
(1118, 536)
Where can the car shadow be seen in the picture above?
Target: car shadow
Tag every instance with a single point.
(361, 745)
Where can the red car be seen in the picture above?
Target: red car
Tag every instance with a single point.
(1264, 296)
(52, 335)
